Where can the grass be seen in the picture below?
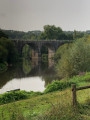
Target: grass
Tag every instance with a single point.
(17, 95)
(55, 105)
(79, 80)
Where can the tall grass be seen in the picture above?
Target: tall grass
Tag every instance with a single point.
(16, 95)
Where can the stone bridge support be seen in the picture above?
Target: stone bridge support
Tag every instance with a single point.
(36, 46)
(51, 53)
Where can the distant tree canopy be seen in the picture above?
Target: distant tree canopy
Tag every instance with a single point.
(51, 32)
(78, 34)
(32, 35)
(2, 34)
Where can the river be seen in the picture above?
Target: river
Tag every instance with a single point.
(28, 75)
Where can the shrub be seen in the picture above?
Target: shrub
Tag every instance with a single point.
(57, 85)
(16, 95)
(61, 50)
(75, 60)
(44, 57)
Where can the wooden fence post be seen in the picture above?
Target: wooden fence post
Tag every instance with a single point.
(74, 99)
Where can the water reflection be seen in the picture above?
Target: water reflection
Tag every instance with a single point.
(27, 66)
(29, 75)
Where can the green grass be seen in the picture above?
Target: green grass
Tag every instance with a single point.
(16, 95)
(55, 105)
(79, 80)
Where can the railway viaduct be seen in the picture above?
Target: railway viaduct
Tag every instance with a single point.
(36, 46)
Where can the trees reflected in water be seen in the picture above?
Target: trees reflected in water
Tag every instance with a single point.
(29, 68)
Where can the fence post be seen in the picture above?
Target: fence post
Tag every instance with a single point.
(74, 99)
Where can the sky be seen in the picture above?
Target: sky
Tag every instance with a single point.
(28, 15)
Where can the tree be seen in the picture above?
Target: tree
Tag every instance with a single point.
(75, 60)
(3, 54)
(74, 34)
(8, 45)
(78, 34)
(51, 32)
(2, 34)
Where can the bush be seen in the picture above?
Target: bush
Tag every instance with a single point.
(7, 51)
(57, 85)
(75, 60)
(44, 57)
(16, 95)
(61, 50)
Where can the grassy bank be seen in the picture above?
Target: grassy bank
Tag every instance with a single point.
(55, 105)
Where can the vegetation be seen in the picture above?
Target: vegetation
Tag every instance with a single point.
(27, 66)
(61, 50)
(2, 34)
(27, 52)
(16, 95)
(8, 53)
(61, 85)
(51, 106)
(52, 32)
(55, 102)
(74, 59)
(22, 35)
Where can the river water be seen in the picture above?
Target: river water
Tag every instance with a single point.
(28, 75)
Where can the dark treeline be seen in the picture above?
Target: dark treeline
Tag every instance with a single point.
(22, 35)
(8, 53)
(50, 32)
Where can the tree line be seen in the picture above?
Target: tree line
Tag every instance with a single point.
(74, 58)
(50, 32)
(8, 53)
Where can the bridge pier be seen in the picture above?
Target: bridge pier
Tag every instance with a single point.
(36, 45)
(51, 53)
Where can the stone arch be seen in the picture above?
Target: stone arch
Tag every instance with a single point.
(36, 46)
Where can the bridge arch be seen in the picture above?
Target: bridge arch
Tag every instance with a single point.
(37, 45)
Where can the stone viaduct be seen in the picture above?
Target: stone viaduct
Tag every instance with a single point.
(36, 46)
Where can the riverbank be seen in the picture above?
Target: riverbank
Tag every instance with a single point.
(54, 105)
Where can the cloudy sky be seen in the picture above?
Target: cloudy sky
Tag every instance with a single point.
(27, 15)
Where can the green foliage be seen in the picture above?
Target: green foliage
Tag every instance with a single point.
(16, 95)
(32, 35)
(27, 66)
(63, 84)
(2, 34)
(75, 60)
(3, 54)
(3, 67)
(61, 50)
(45, 57)
(78, 34)
(7, 51)
(57, 85)
(51, 32)
(27, 52)
(51, 106)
